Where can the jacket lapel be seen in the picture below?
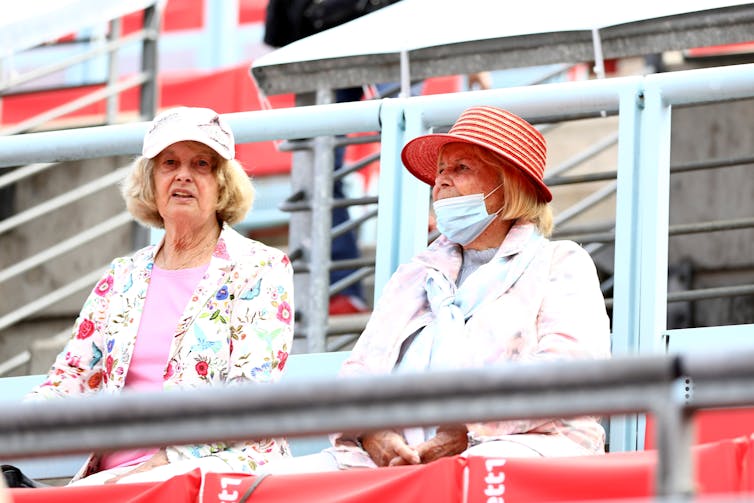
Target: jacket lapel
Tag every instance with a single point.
(217, 274)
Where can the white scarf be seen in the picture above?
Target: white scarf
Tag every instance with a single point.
(441, 345)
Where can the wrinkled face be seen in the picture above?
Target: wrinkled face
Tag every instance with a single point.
(186, 188)
(460, 172)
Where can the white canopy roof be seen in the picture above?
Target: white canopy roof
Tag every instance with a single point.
(444, 37)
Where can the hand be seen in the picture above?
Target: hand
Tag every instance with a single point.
(386, 445)
(449, 441)
(159, 459)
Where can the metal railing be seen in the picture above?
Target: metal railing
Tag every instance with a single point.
(109, 50)
(641, 232)
(301, 202)
(114, 86)
(653, 384)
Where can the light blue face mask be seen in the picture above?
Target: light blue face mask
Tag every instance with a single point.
(462, 219)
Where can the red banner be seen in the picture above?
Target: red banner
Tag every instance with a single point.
(434, 483)
(184, 488)
(719, 469)
(725, 467)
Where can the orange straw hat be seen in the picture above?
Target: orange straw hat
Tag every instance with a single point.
(493, 128)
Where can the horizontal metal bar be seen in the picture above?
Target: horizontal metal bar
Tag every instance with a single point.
(352, 224)
(605, 234)
(347, 169)
(311, 121)
(538, 104)
(597, 237)
(711, 293)
(556, 180)
(14, 362)
(349, 280)
(126, 139)
(583, 156)
(23, 172)
(585, 178)
(74, 105)
(338, 141)
(576, 230)
(63, 199)
(76, 59)
(336, 203)
(50, 298)
(721, 364)
(352, 263)
(711, 164)
(717, 225)
(707, 395)
(316, 406)
(704, 85)
(585, 203)
(66, 245)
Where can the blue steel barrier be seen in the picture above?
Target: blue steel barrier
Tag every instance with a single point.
(643, 104)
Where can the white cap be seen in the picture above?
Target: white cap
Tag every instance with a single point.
(189, 124)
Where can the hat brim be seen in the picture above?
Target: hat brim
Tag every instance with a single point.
(154, 149)
(420, 156)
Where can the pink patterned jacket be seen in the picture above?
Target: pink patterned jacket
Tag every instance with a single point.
(553, 310)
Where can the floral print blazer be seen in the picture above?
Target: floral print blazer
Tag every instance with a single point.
(237, 328)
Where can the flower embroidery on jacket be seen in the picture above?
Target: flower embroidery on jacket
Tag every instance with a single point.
(73, 360)
(222, 293)
(95, 380)
(168, 371)
(284, 312)
(201, 368)
(220, 250)
(109, 362)
(104, 286)
(282, 358)
(263, 371)
(86, 329)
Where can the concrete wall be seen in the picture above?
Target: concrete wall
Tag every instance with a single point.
(42, 233)
(725, 258)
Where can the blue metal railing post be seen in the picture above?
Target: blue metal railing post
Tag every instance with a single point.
(392, 135)
(652, 205)
(625, 331)
(403, 216)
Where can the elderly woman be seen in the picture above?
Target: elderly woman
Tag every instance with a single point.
(491, 290)
(205, 307)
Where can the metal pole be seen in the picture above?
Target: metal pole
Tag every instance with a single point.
(148, 94)
(321, 243)
(316, 406)
(623, 431)
(675, 464)
(112, 74)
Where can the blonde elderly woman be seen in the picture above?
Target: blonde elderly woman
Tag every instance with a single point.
(205, 307)
(491, 290)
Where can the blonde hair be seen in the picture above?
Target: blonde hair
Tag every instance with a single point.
(235, 192)
(521, 197)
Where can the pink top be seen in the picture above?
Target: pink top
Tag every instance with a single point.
(168, 294)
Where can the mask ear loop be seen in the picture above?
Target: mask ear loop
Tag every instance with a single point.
(492, 192)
